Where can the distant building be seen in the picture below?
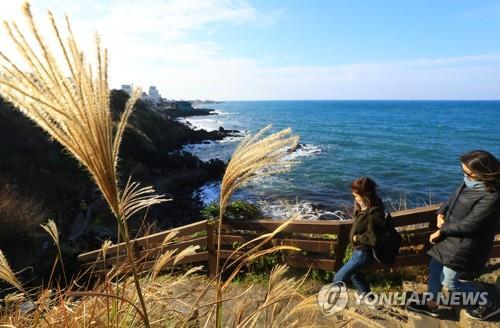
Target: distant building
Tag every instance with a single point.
(154, 96)
(127, 88)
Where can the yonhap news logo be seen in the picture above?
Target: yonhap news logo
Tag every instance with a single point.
(333, 298)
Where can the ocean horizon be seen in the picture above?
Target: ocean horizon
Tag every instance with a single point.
(354, 100)
(410, 147)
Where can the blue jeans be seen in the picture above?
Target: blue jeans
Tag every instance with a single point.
(440, 275)
(360, 258)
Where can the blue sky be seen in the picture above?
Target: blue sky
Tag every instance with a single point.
(269, 49)
(346, 32)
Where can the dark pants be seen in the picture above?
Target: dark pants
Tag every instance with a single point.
(360, 258)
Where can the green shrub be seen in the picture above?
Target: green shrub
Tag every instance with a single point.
(236, 210)
(322, 276)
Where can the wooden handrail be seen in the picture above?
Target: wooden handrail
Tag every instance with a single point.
(150, 240)
(324, 241)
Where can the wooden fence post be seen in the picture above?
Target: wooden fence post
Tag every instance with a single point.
(212, 256)
(342, 243)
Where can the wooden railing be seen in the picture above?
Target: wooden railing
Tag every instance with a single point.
(323, 244)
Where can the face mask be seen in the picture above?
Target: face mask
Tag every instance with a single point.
(473, 184)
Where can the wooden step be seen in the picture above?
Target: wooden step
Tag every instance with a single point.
(422, 321)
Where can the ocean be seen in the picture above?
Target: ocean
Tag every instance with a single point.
(410, 148)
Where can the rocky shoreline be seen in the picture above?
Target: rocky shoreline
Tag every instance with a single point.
(174, 113)
(40, 170)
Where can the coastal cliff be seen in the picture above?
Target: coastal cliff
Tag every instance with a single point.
(39, 177)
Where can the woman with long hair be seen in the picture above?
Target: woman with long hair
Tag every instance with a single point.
(466, 229)
(368, 223)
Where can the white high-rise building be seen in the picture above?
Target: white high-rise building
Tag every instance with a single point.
(154, 96)
(127, 88)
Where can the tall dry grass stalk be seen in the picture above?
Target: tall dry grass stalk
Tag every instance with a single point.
(7, 275)
(70, 101)
(51, 228)
(279, 289)
(105, 247)
(257, 156)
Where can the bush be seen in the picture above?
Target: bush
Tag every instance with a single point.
(20, 217)
(236, 210)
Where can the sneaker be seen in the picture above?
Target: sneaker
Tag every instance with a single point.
(423, 308)
(370, 302)
(482, 312)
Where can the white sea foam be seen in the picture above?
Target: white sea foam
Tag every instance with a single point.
(273, 209)
(222, 113)
(231, 139)
(208, 123)
(210, 149)
(278, 210)
(304, 150)
(208, 193)
(284, 209)
(194, 148)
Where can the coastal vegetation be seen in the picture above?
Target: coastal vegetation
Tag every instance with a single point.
(238, 209)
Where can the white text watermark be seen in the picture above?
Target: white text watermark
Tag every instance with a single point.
(333, 298)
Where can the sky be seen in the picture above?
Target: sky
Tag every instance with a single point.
(289, 49)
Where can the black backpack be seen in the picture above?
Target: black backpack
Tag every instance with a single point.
(388, 243)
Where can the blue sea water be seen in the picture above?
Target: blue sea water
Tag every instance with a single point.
(411, 148)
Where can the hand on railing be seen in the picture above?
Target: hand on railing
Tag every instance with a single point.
(434, 237)
(439, 220)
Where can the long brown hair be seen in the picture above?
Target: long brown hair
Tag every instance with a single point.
(367, 189)
(485, 166)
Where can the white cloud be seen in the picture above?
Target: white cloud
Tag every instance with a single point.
(166, 43)
(143, 37)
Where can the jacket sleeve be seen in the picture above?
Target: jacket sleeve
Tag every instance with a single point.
(474, 221)
(446, 205)
(352, 232)
(369, 237)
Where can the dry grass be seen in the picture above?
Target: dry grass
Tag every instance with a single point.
(169, 300)
(51, 228)
(172, 300)
(184, 300)
(257, 155)
(75, 112)
(6, 273)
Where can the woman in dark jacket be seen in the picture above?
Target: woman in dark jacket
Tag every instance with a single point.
(466, 229)
(368, 221)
